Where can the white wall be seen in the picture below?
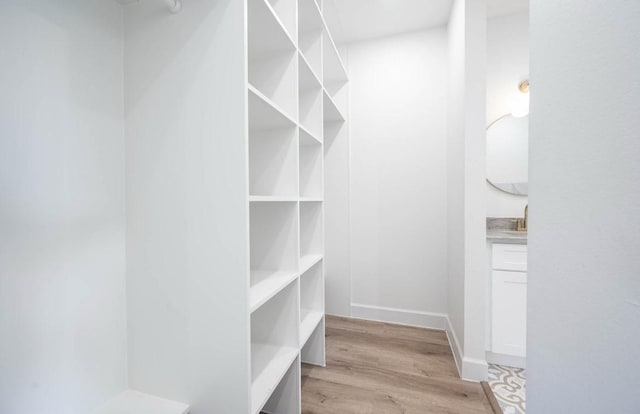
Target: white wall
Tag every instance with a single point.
(62, 237)
(398, 176)
(187, 221)
(507, 66)
(584, 289)
(455, 176)
(466, 232)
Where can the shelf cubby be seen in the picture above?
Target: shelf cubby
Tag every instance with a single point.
(334, 74)
(273, 149)
(273, 162)
(286, 11)
(313, 351)
(274, 344)
(272, 57)
(334, 71)
(273, 249)
(339, 94)
(310, 166)
(265, 114)
(310, 30)
(309, 99)
(311, 239)
(311, 301)
(331, 111)
(286, 398)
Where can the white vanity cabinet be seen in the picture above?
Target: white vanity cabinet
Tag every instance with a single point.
(509, 299)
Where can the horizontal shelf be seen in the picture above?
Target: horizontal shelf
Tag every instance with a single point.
(311, 199)
(308, 261)
(266, 284)
(331, 111)
(307, 138)
(134, 402)
(272, 199)
(276, 361)
(309, 320)
(264, 114)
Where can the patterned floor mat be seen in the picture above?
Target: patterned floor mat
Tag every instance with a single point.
(508, 385)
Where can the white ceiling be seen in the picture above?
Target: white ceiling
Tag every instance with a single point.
(353, 20)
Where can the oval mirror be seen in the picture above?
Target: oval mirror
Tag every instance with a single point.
(508, 154)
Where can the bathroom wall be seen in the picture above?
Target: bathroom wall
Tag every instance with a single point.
(62, 206)
(398, 177)
(507, 66)
(584, 289)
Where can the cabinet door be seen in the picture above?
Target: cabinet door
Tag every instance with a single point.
(509, 313)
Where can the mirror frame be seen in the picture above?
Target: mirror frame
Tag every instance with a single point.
(487, 178)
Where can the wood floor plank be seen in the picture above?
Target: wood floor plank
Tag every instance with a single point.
(379, 368)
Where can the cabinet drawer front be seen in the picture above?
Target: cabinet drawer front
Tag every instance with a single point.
(510, 257)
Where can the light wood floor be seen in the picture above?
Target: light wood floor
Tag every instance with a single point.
(378, 368)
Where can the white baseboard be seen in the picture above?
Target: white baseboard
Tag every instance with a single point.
(470, 369)
(399, 316)
(506, 360)
(455, 345)
(474, 369)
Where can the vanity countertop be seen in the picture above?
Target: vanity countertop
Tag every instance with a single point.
(502, 230)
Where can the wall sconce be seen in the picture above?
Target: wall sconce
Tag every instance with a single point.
(521, 103)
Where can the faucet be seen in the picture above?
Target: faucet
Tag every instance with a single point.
(523, 224)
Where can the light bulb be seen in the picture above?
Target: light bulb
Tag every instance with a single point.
(520, 106)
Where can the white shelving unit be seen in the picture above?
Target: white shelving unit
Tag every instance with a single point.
(228, 119)
(273, 145)
(289, 108)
